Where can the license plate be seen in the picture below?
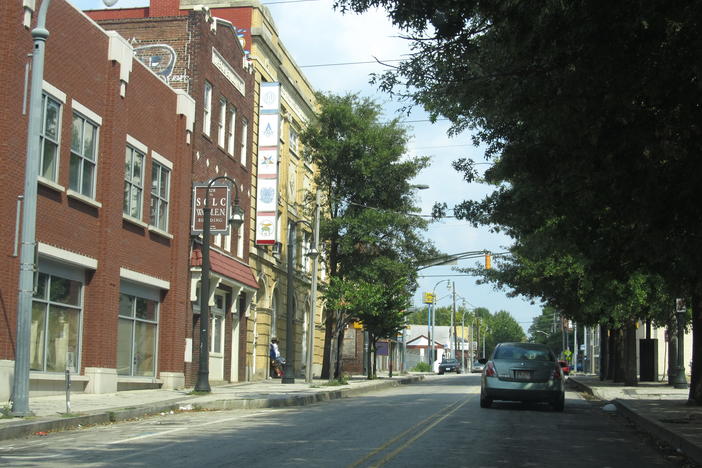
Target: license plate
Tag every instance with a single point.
(522, 375)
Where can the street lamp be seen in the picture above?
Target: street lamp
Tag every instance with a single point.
(237, 218)
(314, 255)
(289, 368)
(432, 315)
(679, 380)
(20, 384)
(463, 341)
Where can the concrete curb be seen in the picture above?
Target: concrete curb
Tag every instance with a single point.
(648, 425)
(24, 428)
(581, 387)
(659, 431)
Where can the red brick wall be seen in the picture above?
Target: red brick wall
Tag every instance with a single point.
(77, 64)
(192, 39)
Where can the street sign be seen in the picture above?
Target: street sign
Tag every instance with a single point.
(218, 202)
(428, 298)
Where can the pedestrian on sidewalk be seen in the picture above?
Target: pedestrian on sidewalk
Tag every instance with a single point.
(275, 369)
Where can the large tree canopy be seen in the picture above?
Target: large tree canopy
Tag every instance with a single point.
(590, 112)
(371, 230)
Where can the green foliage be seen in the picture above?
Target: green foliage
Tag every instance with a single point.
(422, 367)
(365, 178)
(370, 231)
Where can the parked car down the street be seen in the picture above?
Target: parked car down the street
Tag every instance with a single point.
(450, 365)
(523, 372)
(565, 367)
(478, 366)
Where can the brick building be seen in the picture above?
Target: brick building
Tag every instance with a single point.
(273, 66)
(203, 55)
(113, 204)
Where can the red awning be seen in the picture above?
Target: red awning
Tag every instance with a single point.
(227, 266)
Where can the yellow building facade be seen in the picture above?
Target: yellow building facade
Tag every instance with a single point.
(267, 317)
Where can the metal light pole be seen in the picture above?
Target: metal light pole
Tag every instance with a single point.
(203, 371)
(432, 313)
(20, 386)
(679, 380)
(484, 336)
(453, 322)
(463, 341)
(289, 368)
(314, 255)
(430, 327)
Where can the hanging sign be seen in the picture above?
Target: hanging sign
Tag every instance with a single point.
(267, 179)
(218, 202)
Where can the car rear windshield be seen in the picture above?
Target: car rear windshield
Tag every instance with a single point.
(449, 361)
(523, 353)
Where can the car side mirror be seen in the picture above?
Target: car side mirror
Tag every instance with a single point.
(482, 360)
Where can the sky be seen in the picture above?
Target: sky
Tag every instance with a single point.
(315, 34)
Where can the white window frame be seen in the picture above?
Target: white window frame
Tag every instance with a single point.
(294, 141)
(231, 130)
(157, 193)
(134, 291)
(240, 242)
(221, 122)
(86, 118)
(61, 271)
(217, 320)
(45, 140)
(207, 109)
(244, 141)
(130, 184)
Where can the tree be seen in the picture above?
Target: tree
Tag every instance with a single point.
(442, 316)
(502, 327)
(384, 318)
(371, 231)
(590, 114)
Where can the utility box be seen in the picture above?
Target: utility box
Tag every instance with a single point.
(648, 359)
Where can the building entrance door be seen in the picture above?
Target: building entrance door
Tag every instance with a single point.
(217, 338)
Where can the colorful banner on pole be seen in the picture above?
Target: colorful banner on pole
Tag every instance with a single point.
(268, 147)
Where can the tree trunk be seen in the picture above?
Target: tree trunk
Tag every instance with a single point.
(604, 352)
(328, 340)
(390, 358)
(621, 357)
(695, 396)
(369, 354)
(333, 353)
(630, 371)
(612, 355)
(339, 365)
(672, 351)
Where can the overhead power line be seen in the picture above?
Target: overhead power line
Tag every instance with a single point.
(288, 1)
(339, 64)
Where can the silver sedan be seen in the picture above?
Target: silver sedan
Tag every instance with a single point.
(522, 372)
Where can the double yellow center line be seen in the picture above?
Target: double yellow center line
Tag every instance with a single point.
(418, 430)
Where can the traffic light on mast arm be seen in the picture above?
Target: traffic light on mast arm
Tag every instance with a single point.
(488, 261)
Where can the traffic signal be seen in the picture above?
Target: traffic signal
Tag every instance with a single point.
(488, 261)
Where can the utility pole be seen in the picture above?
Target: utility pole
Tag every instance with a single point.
(575, 347)
(453, 321)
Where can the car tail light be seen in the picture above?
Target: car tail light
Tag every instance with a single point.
(557, 372)
(490, 370)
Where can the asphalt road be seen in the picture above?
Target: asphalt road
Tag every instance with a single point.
(435, 423)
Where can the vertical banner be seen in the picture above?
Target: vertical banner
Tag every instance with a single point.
(268, 147)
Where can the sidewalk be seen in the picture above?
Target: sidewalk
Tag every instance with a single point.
(89, 409)
(655, 408)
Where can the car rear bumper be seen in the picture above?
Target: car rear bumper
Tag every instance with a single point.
(496, 389)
